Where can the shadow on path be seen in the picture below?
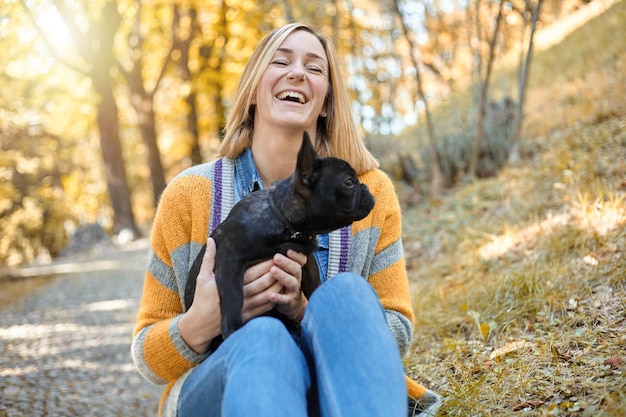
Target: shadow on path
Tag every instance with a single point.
(65, 344)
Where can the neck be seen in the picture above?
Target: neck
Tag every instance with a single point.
(275, 155)
(286, 204)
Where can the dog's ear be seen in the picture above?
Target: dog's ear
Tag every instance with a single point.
(305, 167)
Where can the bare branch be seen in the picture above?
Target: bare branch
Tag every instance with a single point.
(173, 46)
(436, 180)
(514, 154)
(484, 92)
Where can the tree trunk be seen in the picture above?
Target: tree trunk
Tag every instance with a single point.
(475, 45)
(484, 93)
(147, 124)
(192, 126)
(514, 155)
(436, 180)
(182, 67)
(218, 102)
(143, 103)
(96, 48)
(114, 169)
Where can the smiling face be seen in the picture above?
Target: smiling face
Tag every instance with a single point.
(293, 88)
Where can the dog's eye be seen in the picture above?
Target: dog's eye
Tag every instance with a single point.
(349, 182)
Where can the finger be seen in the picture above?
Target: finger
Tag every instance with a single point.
(259, 285)
(262, 297)
(256, 271)
(260, 303)
(208, 260)
(289, 265)
(286, 298)
(299, 257)
(289, 281)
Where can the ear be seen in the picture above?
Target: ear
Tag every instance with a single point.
(305, 167)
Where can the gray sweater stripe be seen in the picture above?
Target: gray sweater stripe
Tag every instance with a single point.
(223, 194)
(387, 257)
(181, 346)
(162, 272)
(136, 350)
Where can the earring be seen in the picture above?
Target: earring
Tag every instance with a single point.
(323, 115)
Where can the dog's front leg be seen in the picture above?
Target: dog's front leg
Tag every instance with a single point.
(192, 278)
(310, 277)
(229, 277)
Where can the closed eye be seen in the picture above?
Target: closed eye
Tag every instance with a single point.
(315, 69)
(310, 68)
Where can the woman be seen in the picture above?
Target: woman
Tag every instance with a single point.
(346, 358)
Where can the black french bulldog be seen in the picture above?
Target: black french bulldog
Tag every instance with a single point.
(322, 195)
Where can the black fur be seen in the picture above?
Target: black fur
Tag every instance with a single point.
(322, 195)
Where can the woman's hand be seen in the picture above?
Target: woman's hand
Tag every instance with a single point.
(288, 271)
(201, 323)
(275, 282)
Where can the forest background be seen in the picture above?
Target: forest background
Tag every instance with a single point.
(509, 165)
(104, 101)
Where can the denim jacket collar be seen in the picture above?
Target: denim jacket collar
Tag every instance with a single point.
(246, 175)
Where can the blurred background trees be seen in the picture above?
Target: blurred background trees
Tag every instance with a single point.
(105, 101)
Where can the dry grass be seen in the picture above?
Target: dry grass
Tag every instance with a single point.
(519, 281)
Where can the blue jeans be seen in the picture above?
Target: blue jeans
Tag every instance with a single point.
(345, 364)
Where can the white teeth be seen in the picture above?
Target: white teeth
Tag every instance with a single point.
(292, 94)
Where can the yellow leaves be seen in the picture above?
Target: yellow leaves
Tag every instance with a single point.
(483, 328)
(27, 165)
(450, 343)
(6, 173)
(17, 228)
(568, 406)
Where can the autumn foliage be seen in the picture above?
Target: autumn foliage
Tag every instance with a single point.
(103, 102)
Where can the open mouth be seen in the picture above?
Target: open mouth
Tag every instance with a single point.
(292, 96)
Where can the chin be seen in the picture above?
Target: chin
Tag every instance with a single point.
(299, 125)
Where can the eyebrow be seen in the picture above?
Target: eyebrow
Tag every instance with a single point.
(309, 54)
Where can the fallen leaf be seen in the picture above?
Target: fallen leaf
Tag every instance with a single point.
(510, 347)
(529, 404)
(558, 355)
(485, 328)
(614, 361)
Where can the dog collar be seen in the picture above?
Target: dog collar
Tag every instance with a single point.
(290, 230)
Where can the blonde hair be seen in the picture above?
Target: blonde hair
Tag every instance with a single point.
(336, 133)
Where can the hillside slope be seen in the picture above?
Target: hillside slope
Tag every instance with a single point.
(519, 281)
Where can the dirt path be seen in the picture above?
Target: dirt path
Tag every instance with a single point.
(65, 346)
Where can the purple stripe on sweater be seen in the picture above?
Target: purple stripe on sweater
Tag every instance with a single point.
(343, 254)
(216, 210)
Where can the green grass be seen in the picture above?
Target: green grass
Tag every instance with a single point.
(534, 260)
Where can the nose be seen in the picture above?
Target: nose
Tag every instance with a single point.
(297, 73)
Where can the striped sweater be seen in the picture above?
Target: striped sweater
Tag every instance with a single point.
(191, 207)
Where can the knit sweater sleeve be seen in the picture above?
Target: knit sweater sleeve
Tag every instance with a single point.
(179, 230)
(386, 271)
